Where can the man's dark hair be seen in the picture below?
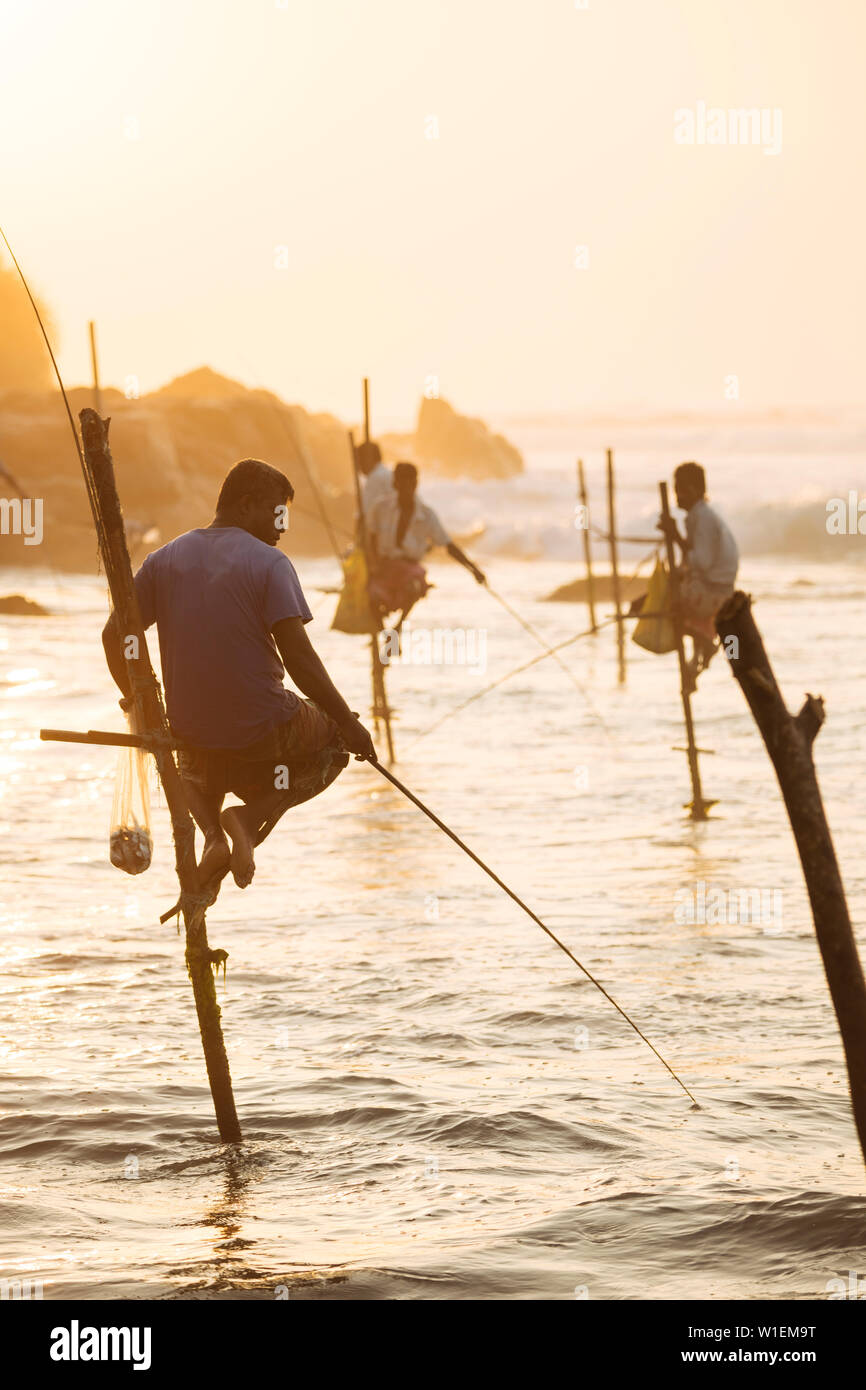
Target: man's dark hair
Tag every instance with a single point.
(405, 472)
(692, 473)
(252, 478)
(369, 454)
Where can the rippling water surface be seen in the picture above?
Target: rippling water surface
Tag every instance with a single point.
(435, 1103)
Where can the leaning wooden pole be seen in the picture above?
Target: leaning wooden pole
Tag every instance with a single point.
(587, 548)
(699, 807)
(789, 739)
(151, 717)
(614, 570)
(94, 364)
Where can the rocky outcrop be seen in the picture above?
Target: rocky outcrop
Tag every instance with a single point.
(17, 606)
(173, 447)
(459, 446)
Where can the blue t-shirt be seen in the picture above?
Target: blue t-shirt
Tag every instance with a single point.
(214, 594)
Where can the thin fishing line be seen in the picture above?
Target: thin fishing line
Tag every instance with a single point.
(479, 694)
(550, 651)
(87, 479)
(291, 432)
(518, 670)
(314, 516)
(536, 637)
(395, 781)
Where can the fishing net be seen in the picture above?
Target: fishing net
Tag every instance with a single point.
(130, 843)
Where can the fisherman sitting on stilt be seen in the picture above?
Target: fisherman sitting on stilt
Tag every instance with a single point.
(378, 478)
(709, 568)
(401, 529)
(230, 614)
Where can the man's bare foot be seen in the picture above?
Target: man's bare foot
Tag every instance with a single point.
(215, 858)
(242, 863)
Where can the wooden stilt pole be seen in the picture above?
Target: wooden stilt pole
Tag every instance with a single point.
(789, 741)
(366, 410)
(381, 709)
(614, 571)
(380, 698)
(698, 807)
(587, 549)
(94, 362)
(151, 716)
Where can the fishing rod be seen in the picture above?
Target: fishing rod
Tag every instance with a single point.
(314, 516)
(395, 781)
(88, 482)
(299, 446)
(293, 433)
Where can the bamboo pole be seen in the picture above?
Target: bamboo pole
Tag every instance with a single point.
(151, 716)
(381, 708)
(587, 548)
(789, 740)
(103, 737)
(94, 362)
(614, 571)
(698, 806)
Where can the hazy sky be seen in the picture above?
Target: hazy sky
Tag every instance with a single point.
(156, 153)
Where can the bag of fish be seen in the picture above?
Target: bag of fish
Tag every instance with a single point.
(130, 843)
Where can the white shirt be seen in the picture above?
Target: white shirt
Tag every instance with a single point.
(712, 554)
(378, 484)
(423, 532)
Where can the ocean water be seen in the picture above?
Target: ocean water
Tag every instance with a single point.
(435, 1102)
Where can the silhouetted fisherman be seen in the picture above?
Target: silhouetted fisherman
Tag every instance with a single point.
(710, 560)
(231, 615)
(401, 530)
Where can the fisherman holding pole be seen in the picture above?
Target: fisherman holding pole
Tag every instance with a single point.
(231, 615)
(710, 559)
(401, 530)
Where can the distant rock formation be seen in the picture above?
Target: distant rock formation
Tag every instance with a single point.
(173, 447)
(577, 591)
(17, 606)
(459, 446)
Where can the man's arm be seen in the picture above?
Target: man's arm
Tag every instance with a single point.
(462, 559)
(669, 527)
(311, 678)
(113, 648)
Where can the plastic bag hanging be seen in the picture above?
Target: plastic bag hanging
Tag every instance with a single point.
(130, 842)
(656, 633)
(353, 610)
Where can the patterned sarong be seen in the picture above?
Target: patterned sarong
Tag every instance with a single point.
(308, 745)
